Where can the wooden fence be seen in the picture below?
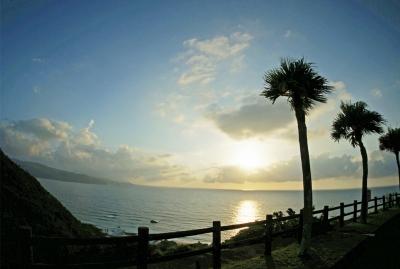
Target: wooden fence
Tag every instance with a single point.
(141, 258)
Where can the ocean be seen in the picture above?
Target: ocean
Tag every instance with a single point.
(125, 208)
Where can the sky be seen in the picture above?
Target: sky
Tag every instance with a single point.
(167, 93)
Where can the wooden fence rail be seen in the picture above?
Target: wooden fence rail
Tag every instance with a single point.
(143, 238)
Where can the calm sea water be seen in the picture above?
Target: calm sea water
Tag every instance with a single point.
(128, 207)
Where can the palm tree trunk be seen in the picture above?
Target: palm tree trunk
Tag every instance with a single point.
(364, 196)
(398, 165)
(307, 182)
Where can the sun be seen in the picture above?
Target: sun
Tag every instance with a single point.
(249, 155)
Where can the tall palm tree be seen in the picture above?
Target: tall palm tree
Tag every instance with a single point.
(352, 123)
(391, 142)
(297, 81)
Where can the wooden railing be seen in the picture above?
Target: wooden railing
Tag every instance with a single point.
(141, 258)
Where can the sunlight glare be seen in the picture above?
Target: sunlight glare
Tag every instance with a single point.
(248, 155)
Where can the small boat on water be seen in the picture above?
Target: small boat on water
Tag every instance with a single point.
(153, 221)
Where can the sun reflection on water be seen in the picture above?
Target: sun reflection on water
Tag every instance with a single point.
(246, 211)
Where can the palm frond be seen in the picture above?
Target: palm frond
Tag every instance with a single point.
(297, 81)
(354, 121)
(390, 141)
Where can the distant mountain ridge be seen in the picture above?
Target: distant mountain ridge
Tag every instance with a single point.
(42, 171)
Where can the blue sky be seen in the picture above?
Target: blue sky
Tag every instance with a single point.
(156, 76)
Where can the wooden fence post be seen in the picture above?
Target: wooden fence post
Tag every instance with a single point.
(393, 199)
(143, 247)
(390, 201)
(325, 219)
(25, 247)
(216, 245)
(341, 218)
(300, 227)
(376, 204)
(268, 235)
(355, 211)
(384, 202)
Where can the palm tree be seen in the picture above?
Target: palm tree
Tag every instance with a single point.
(391, 142)
(352, 123)
(297, 81)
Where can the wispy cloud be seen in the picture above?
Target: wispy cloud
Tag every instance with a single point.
(36, 89)
(376, 93)
(201, 57)
(338, 85)
(291, 35)
(288, 34)
(170, 105)
(38, 60)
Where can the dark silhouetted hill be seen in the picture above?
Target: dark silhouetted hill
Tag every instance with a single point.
(24, 202)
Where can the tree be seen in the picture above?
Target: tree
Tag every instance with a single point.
(391, 142)
(352, 123)
(299, 83)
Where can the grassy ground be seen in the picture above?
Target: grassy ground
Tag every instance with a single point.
(331, 247)
(327, 249)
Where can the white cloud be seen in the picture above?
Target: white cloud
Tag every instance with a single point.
(252, 118)
(255, 116)
(42, 128)
(56, 144)
(32, 137)
(202, 57)
(86, 137)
